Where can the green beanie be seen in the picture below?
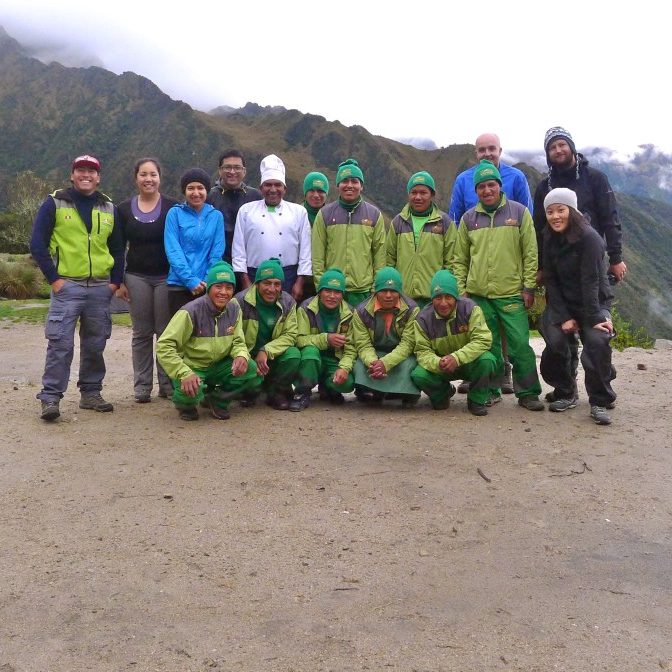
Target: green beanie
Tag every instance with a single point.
(317, 181)
(423, 178)
(349, 168)
(486, 170)
(332, 278)
(443, 282)
(220, 272)
(271, 269)
(387, 278)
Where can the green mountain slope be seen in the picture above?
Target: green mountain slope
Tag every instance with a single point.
(49, 114)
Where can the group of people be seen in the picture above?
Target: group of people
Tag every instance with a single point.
(329, 294)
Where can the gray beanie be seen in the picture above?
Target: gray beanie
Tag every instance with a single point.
(563, 196)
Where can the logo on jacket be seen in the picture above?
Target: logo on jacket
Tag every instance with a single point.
(511, 222)
(230, 330)
(437, 228)
(367, 222)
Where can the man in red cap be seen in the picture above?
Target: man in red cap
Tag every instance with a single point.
(78, 247)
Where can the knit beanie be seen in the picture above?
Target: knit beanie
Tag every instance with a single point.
(486, 170)
(443, 282)
(272, 168)
(422, 178)
(316, 181)
(220, 272)
(271, 269)
(349, 168)
(555, 133)
(563, 196)
(195, 175)
(332, 278)
(387, 278)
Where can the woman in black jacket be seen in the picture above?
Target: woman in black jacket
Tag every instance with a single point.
(142, 220)
(578, 298)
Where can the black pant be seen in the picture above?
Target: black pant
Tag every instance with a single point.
(556, 361)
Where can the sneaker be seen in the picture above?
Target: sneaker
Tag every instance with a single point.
(463, 387)
(219, 413)
(531, 403)
(94, 402)
(476, 409)
(555, 395)
(599, 415)
(507, 383)
(50, 411)
(560, 405)
(143, 398)
(610, 406)
(299, 401)
(188, 413)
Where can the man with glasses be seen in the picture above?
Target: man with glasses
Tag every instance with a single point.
(230, 192)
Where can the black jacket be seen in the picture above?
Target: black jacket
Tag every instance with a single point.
(575, 276)
(596, 202)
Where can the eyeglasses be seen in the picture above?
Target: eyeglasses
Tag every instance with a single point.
(232, 169)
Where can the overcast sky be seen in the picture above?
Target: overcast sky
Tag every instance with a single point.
(432, 69)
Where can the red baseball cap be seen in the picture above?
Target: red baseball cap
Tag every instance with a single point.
(86, 161)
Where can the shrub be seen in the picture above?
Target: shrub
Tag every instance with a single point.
(628, 336)
(20, 279)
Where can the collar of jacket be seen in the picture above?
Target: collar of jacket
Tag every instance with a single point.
(67, 195)
(242, 187)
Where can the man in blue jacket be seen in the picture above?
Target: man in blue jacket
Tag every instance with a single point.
(77, 244)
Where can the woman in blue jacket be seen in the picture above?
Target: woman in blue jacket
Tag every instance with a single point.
(194, 240)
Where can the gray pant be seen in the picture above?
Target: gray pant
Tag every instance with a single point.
(91, 306)
(150, 314)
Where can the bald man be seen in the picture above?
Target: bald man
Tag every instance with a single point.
(514, 182)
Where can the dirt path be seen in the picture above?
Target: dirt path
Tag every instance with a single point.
(336, 538)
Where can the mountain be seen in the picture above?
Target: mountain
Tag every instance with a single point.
(50, 113)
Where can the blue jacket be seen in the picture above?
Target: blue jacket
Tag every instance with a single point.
(463, 198)
(194, 241)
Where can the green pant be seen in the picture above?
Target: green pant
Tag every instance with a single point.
(479, 373)
(219, 383)
(319, 366)
(355, 298)
(283, 371)
(510, 313)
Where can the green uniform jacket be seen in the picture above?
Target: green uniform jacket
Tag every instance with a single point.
(352, 241)
(417, 265)
(363, 324)
(464, 335)
(199, 335)
(70, 237)
(311, 331)
(285, 330)
(496, 253)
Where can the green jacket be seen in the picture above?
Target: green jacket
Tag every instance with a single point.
(285, 330)
(363, 324)
(311, 331)
(76, 252)
(199, 336)
(464, 334)
(417, 265)
(352, 241)
(496, 253)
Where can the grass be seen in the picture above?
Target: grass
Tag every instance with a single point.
(34, 311)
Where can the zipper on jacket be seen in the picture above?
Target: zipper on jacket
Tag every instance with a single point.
(90, 261)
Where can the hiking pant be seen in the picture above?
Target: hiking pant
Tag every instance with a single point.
(149, 314)
(556, 361)
(91, 306)
(319, 366)
(219, 383)
(511, 314)
(479, 373)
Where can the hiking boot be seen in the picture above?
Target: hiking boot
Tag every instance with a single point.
(278, 402)
(410, 401)
(219, 413)
(188, 413)
(560, 405)
(507, 383)
(94, 402)
(50, 411)
(463, 387)
(476, 409)
(531, 403)
(599, 415)
(445, 403)
(300, 401)
(143, 398)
